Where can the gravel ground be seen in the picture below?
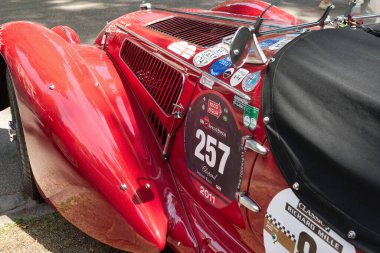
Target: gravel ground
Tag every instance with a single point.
(48, 233)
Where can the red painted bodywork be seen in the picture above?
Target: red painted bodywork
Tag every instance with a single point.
(87, 129)
(255, 8)
(67, 34)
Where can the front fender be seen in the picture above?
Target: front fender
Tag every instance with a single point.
(67, 104)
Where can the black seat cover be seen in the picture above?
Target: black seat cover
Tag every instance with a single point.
(322, 94)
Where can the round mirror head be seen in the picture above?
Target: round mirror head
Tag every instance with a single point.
(240, 45)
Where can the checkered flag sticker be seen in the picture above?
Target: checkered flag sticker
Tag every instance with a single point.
(277, 224)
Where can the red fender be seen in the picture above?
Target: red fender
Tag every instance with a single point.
(255, 8)
(67, 34)
(86, 114)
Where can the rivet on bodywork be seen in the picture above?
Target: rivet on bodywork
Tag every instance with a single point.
(97, 84)
(51, 86)
(179, 244)
(148, 186)
(266, 119)
(296, 186)
(123, 187)
(351, 235)
(272, 60)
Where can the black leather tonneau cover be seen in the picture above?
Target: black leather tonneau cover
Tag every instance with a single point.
(322, 95)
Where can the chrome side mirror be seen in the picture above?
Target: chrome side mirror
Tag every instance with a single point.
(245, 48)
(240, 45)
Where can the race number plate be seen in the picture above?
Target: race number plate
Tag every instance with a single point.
(290, 227)
(213, 149)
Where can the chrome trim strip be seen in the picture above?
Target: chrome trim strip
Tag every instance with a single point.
(68, 35)
(367, 16)
(225, 85)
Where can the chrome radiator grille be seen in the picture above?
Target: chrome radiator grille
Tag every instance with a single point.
(163, 82)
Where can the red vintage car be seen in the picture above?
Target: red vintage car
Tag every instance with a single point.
(236, 129)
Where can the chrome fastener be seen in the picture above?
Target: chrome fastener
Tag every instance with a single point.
(148, 186)
(351, 235)
(296, 186)
(123, 187)
(266, 120)
(51, 87)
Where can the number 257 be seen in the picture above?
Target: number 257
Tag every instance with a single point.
(210, 157)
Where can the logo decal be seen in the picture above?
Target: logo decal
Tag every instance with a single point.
(205, 57)
(250, 81)
(228, 73)
(220, 66)
(238, 77)
(183, 49)
(214, 108)
(207, 82)
(290, 226)
(267, 43)
(251, 114)
(280, 44)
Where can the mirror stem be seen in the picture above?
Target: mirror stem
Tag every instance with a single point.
(258, 56)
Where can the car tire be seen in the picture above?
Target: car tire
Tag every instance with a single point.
(28, 182)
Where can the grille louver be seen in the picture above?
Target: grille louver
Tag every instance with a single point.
(163, 82)
(200, 33)
(158, 127)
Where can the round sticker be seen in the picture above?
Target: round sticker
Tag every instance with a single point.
(213, 149)
(228, 73)
(290, 226)
(246, 121)
(207, 56)
(250, 81)
(220, 66)
(238, 76)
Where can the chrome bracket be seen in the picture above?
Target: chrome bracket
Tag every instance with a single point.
(254, 146)
(178, 111)
(104, 38)
(244, 200)
(258, 56)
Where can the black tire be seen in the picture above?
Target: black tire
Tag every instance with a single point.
(28, 182)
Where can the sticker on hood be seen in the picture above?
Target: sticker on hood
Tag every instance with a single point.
(280, 44)
(220, 66)
(290, 226)
(238, 76)
(205, 57)
(250, 81)
(228, 73)
(183, 49)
